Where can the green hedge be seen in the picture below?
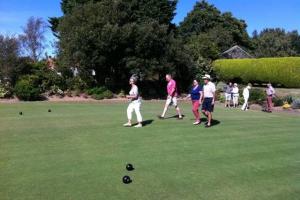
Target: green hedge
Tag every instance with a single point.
(278, 71)
(27, 88)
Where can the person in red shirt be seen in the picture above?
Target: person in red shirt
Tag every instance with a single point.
(172, 97)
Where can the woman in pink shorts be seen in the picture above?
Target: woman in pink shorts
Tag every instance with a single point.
(196, 96)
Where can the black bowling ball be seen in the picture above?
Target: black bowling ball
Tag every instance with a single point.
(126, 179)
(129, 167)
(20, 113)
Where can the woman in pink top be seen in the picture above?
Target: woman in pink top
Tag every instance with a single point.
(172, 97)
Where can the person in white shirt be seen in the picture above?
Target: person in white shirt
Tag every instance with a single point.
(208, 100)
(235, 95)
(134, 105)
(246, 94)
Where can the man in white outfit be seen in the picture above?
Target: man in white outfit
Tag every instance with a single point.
(134, 105)
(246, 94)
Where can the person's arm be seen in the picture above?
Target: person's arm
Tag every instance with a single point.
(134, 96)
(172, 91)
(214, 94)
(131, 96)
(201, 97)
(188, 96)
(171, 94)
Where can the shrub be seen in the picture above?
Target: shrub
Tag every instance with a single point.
(281, 71)
(105, 95)
(76, 83)
(51, 79)
(2, 91)
(55, 90)
(96, 90)
(27, 88)
(296, 104)
(100, 93)
(288, 99)
(278, 101)
(221, 99)
(257, 96)
(5, 91)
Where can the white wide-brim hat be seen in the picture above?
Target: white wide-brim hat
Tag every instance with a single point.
(206, 77)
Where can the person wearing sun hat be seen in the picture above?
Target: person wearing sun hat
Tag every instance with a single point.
(208, 100)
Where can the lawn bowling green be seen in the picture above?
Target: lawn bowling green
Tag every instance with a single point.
(80, 151)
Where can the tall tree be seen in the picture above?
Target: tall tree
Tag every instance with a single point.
(275, 42)
(33, 37)
(206, 18)
(208, 32)
(9, 52)
(295, 41)
(118, 38)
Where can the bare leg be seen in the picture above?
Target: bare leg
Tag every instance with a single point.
(209, 117)
(165, 110)
(178, 112)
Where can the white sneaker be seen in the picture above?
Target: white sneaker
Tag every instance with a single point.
(138, 126)
(196, 123)
(127, 125)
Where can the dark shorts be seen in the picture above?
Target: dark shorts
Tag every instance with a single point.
(206, 106)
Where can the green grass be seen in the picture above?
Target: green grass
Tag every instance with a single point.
(79, 151)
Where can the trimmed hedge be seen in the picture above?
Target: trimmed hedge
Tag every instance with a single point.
(283, 71)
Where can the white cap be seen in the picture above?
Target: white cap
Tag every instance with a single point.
(206, 76)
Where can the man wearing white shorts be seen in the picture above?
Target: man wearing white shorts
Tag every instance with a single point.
(172, 97)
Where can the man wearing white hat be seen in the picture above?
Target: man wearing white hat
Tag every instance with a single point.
(208, 101)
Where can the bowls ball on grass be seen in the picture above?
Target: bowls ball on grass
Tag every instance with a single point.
(126, 179)
(49, 110)
(129, 167)
(20, 113)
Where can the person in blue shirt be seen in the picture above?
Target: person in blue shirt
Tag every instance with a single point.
(196, 96)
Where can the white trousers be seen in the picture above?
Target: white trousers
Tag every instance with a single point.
(134, 106)
(245, 105)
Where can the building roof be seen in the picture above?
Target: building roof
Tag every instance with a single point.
(236, 52)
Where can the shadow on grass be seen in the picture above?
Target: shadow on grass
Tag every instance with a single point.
(174, 116)
(214, 122)
(147, 122)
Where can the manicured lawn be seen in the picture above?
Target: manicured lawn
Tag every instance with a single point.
(79, 151)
